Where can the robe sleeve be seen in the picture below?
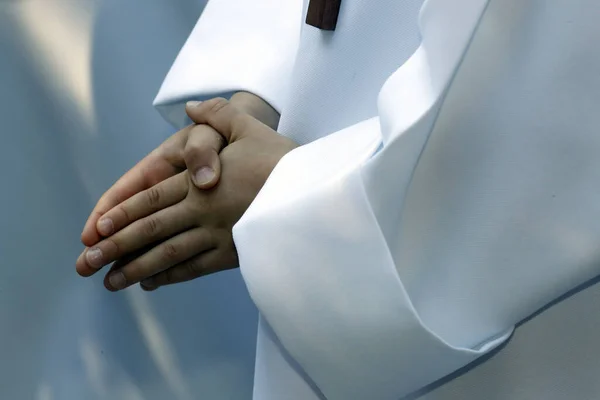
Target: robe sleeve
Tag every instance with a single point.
(235, 46)
(399, 250)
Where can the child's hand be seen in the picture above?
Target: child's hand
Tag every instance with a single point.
(195, 147)
(192, 226)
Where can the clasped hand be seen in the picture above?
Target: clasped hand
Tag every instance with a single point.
(165, 222)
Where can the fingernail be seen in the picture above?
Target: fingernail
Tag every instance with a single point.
(117, 281)
(94, 257)
(204, 175)
(192, 104)
(106, 226)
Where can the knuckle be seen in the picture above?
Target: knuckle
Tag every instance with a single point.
(218, 105)
(170, 251)
(111, 249)
(153, 197)
(194, 267)
(151, 227)
(113, 245)
(127, 217)
(97, 214)
(132, 272)
(203, 146)
(190, 150)
(194, 151)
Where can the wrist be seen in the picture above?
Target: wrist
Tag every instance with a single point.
(256, 107)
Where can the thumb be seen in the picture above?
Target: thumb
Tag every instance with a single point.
(201, 156)
(218, 113)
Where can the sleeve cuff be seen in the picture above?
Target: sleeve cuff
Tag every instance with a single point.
(235, 46)
(318, 268)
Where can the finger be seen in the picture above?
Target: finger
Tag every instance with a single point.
(165, 255)
(136, 236)
(134, 181)
(81, 267)
(219, 114)
(116, 265)
(256, 107)
(201, 155)
(160, 196)
(140, 205)
(121, 262)
(201, 265)
(162, 163)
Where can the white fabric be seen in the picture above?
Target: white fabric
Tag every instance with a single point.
(77, 78)
(278, 375)
(406, 245)
(261, 37)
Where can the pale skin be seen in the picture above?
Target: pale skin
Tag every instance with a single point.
(195, 146)
(163, 223)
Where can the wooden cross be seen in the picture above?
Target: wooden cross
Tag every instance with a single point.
(323, 14)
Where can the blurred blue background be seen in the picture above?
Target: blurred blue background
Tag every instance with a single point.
(77, 79)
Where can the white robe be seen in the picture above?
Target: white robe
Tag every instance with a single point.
(447, 190)
(77, 78)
